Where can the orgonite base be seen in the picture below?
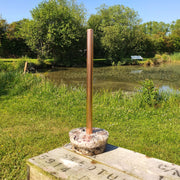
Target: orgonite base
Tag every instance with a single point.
(90, 145)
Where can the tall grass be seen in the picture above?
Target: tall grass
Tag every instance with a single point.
(36, 116)
(12, 66)
(175, 56)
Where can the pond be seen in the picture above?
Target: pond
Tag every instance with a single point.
(126, 78)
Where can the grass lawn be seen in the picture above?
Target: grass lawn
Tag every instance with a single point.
(36, 116)
(19, 59)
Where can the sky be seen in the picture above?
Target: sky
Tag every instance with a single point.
(148, 10)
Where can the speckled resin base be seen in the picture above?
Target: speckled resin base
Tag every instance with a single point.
(90, 145)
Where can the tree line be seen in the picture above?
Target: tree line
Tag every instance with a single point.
(57, 30)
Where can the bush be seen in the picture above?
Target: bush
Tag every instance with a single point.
(127, 61)
(149, 62)
(166, 58)
(119, 63)
(113, 63)
(157, 59)
(149, 95)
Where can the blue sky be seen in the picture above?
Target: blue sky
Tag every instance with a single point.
(148, 10)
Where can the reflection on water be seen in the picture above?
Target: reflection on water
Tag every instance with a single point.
(126, 78)
(136, 71)
(168, 90)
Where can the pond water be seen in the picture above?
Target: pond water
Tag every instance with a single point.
(126, 78)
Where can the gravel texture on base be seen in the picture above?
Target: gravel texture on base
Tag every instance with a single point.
(92, 144)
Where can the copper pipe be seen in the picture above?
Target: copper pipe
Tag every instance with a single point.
(89, 81)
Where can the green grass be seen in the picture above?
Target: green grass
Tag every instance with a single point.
(19, 59)
(175, 56)
(18, 64)
(36, 116)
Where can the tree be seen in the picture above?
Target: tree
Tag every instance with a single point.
(115, 29)
(12, 43)
(56, 29)
(175, 34)
(16, 46)
(113, 26)
(154, 27)
(3, 26)
(162, 43)
(94, 23)
(160, 35)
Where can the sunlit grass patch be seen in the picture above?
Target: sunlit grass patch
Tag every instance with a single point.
(175, 56)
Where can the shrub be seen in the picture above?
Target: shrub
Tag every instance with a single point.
(157, 59)
(127, 61)
(135, 62)
(166, 58)
(119, 63)
(149, 62)
(113, 63)
(149, 95)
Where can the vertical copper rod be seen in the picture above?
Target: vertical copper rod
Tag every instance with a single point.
(89, 80)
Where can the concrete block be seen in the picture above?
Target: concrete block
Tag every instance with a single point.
(114, 164)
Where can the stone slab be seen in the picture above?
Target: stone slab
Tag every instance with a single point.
(139, 164)
(114, 164)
